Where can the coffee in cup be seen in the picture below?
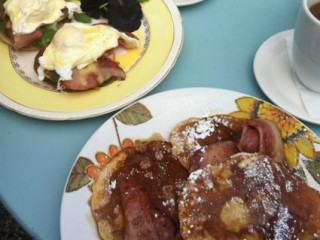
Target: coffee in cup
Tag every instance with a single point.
(306, 45)
(315, 10)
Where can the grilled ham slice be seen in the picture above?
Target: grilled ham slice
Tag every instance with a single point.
(90, 77)
(198, 142)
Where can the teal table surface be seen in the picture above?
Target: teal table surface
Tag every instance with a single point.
(221, 38)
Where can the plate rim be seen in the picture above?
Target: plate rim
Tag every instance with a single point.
(187, 2)
(176, 46)
(257, 74)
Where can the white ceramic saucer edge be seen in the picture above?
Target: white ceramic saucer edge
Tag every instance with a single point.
(273, 74)
(182, 3)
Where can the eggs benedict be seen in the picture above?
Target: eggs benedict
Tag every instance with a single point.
(25, 22)
(80, 56)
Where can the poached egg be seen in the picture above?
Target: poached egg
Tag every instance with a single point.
(27, 15)
(77, 45)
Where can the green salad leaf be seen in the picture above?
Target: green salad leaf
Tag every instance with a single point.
(2, 28)
(55, 78)
(48, 33)
(82, 17)
(106, 83)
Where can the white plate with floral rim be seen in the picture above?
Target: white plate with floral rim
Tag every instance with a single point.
(158, 114)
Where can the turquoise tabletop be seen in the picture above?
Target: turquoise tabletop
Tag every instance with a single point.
(221, 38)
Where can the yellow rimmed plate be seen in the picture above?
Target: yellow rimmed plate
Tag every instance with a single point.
(161, 39)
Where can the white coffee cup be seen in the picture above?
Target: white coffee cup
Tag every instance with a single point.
(306, 47)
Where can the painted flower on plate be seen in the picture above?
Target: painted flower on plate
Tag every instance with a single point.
(297, 138)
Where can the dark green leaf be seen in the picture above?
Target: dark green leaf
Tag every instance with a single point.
(300, 173)
(141, 1)
(123, 15)
(2, 29)
(78, 177)
(134, 115)
(109, 81)
(313, 167)
(106, 83)
(55, 78)
(82, 17)
(48, 34)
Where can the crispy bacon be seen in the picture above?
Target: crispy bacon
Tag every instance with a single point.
(91, 76)
(250, 141)
(258, 136)
(164, 225)
(94, 75)
(25, 40)
(213, 154)
(143, 221)
(262, 136)
(216, 153)
(136, 205)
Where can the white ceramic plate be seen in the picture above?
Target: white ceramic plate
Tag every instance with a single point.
(20, 90)
(181, 3)
(273, 73)
(158, 114)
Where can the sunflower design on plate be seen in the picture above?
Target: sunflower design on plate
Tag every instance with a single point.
(297, 138)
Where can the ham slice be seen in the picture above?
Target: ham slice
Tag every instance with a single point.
(258, 136)
(164, 225)
(250, 140)
(136, 206)
(18, 41)
(262, 136)
(94, 75)
(142, 221)
(213, 154)
(21, 41)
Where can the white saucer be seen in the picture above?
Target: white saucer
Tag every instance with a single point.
(181, 3)
(273, 73)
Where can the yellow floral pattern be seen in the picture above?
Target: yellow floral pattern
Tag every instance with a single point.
(297, 138)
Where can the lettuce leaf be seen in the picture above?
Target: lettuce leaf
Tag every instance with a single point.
(2, 28)
(48, 33)
(82, 17)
